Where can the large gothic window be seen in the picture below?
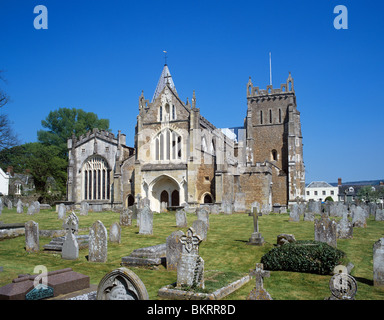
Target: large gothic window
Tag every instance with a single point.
(96, 179)
(168, 145)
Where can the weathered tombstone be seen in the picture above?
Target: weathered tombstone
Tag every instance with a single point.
(174, 247)
(284, 238)
(19, 206)
(32, 236)
(62, 211)
(344, 228)
(203, 215)
(146, 221)
(379, 215)
(115, 233)
(265, 209)
(326, 231)
(378, 263)
(256, 239)
(226, 206)
(31, 209)
(294, 214)
(70, 249)
(215, 209)
(163, 207)
(181, 218)
(147, 256)
(190, 268)
(359, 217)
(98, 243)
(200, 228)
(10, 206)
(126, 217)
(309, 216)
(343, 287)
(239, 204)
(36, 206)
(84, 208)
(259, 293)
(121, 284)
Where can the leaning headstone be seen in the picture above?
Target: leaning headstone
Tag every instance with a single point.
(98, 243)
(258, 292)
(84, 208)
(121, 284)
(126, 217)
(294, 214)
(115, 233)
(181, 218)
(326, 231)
(62, 211)
(174, 248)
(70, 249)
(19, 207)
(146, 221)
(200, 228)
(344, 228)
(359, 217)
(32, 236)
(190, 268)
(378, 263)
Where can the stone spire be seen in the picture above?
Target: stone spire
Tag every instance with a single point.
(165, 78)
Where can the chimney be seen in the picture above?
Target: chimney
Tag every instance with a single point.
(10, 170)
(339, 182)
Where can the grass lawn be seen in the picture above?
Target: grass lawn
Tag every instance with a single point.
(225, 252)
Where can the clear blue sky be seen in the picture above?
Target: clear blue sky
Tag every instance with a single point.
(99, 55)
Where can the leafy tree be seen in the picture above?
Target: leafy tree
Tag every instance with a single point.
(368, 194)
(61, 124)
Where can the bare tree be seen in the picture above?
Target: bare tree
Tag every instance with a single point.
(8, 138)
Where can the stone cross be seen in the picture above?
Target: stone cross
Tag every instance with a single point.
(256, 216)
(72, 223)
(190, 241)
(259, 274)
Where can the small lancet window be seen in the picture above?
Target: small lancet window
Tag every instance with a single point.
(161, 113)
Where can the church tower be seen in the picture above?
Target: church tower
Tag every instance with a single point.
(274, 136)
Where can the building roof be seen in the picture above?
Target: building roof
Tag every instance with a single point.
(165, 78)
(319, 184)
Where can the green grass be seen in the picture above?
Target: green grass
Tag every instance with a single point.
(225, 253)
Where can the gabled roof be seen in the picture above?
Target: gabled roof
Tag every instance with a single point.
(165, 78)
(319, 184)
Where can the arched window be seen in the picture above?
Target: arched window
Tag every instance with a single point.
(274, 155)
(161, 113)
(203, 144)
(175, 198)
(96, 179)
(207, 198)
(168, 145)
(173, 112)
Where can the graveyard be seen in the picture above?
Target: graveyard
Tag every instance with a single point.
(225, 250)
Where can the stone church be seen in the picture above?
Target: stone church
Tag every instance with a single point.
(181, 158)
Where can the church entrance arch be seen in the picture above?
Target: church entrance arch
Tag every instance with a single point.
(164, 189)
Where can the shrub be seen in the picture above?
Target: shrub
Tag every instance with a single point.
(303, 256)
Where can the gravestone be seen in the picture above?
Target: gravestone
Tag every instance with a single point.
(121, 284)
(379, 215)
(314, 207)
(126, 217)
(326, 231)
(62, 211)
(84, 208)
(174, 247)
(181, 218)
(294, 214)
(147, 256)
(309, 216)
(163, 207)
(259, 293)
(190, 268)
(10, 206)
(343, 287)
(146, 220)
(378, 263)
(200, 228)
(98, 243)
(344, 228)
(215, 209)
(115, 233)
(256, 205)
(203, 215)
(70, 249)
(359, 217)
(36, 207)
(19, 207)
(32, 236)
(256, 239)
(239, 204)
(226, 206)
(284, 238)
(31, 209)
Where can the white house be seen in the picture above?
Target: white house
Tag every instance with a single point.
(4, 183)
(319, 190)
